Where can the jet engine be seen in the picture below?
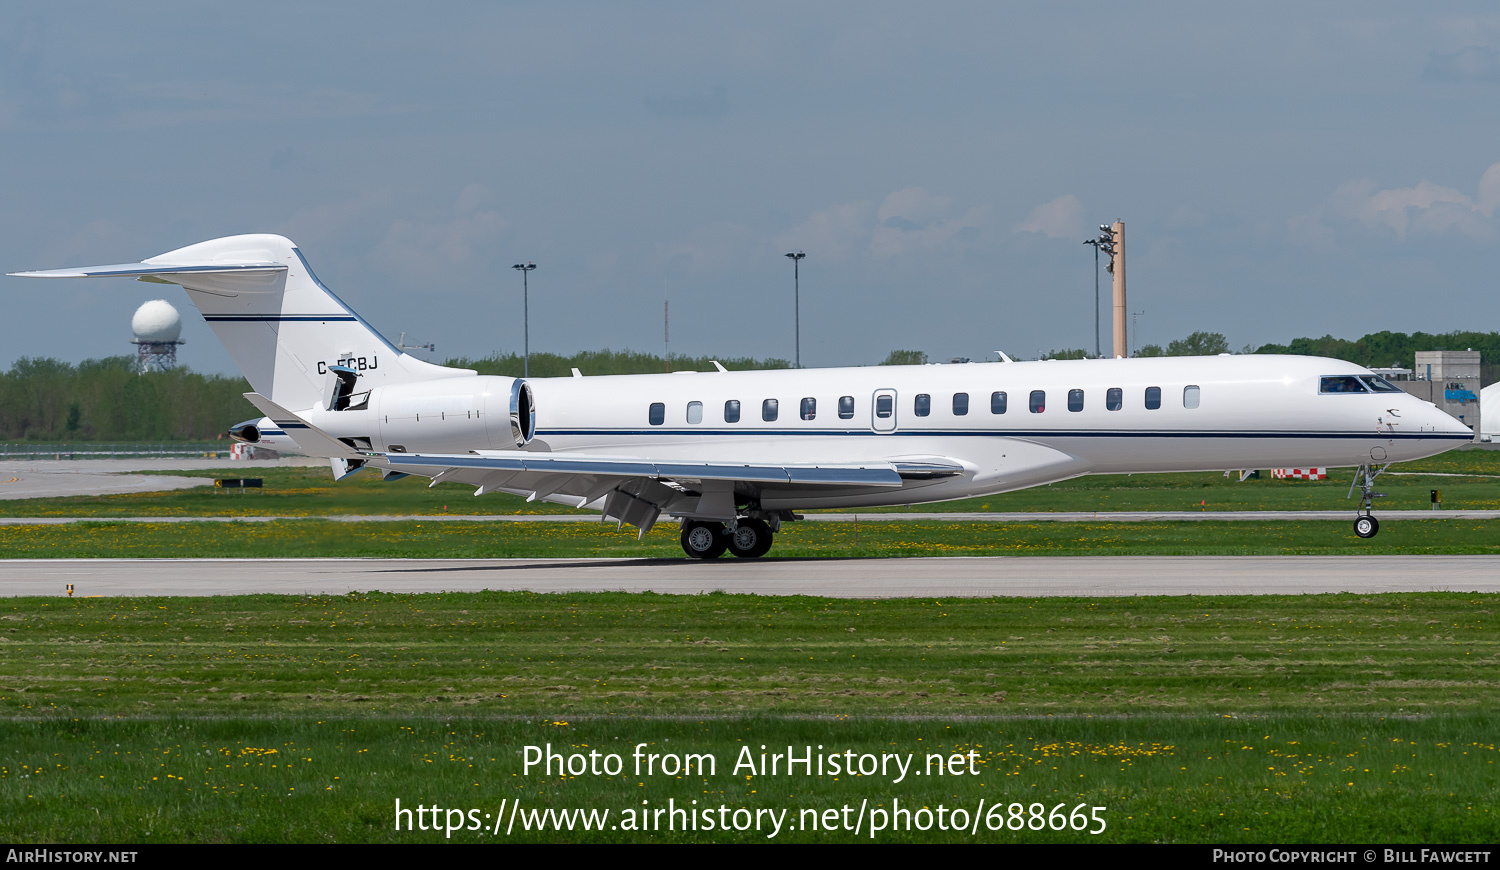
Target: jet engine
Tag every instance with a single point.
(247, 432)
(445, 415)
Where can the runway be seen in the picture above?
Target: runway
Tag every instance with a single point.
(836, 578)
(50, 478)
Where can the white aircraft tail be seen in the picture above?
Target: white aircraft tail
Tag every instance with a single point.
(280, 324)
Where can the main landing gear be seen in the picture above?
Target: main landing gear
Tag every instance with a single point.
(1365, 525)
(749, 538)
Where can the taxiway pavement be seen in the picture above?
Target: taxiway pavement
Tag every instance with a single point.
(838, 578)
(50, 478)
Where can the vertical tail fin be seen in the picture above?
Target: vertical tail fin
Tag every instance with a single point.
(280, 324)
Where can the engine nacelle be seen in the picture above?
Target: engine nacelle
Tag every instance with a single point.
(522, 413)
(449, 415)
(247, 432)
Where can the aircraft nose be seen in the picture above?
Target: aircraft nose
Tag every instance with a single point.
(1441, 421)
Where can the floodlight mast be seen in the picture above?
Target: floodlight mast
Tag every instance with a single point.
(1098, 352)
(525, 316)
(1112, 241)
(797, 306)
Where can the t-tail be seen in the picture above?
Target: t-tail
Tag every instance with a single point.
(291, 336)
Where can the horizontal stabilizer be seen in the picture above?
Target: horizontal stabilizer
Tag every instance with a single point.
(278, 322)
(143, 270)
(309, 438)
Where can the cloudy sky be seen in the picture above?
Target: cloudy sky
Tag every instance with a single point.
(1282, 170)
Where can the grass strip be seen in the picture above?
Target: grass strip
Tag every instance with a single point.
(517, 653)
(1337, 718)
(1204, 779)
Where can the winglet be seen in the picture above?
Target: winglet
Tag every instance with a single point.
(309, 438)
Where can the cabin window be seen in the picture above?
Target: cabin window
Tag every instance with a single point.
(769, 410)
(846, 407)
(1114, 399)
(732, 411)
(695, 412)
(1379, 384)
(1038, 401)
(1341, 384)
(1190, 396)
(1075, 400)
(997, 403)
(658, 413)
(1153, 398)
(923, 405)
(809, 408)
(960, 404)
(885, 406)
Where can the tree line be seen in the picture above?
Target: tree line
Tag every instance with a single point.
(605, 362)
(1398, 349)
(105, 400)
(1376, 350)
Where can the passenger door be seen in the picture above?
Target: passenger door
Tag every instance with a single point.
(883, 411)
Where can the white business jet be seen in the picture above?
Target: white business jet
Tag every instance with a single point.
(734, 455)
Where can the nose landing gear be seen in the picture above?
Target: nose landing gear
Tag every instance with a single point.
(1365, 525)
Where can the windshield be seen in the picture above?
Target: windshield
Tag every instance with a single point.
(1379, 384)
(1342, 384)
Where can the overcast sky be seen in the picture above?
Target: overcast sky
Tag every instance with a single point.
(1282, 170)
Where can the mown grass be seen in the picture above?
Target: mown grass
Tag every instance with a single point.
(478, 539)
(523, 653)
(1201, 779)
(1338, 718)
(313, 492)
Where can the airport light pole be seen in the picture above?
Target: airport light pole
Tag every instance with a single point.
(797, 304)
(1098, 349)
(525, 315)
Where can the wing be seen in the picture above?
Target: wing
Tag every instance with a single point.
(636, 491)
(631, 489)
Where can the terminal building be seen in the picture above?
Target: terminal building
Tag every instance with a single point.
(1446, 378)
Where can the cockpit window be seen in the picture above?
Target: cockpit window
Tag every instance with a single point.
(1341, 384)
(1379, 384)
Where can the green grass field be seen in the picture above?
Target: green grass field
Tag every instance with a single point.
(252, 719)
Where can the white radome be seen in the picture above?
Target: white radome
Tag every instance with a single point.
(156, 321)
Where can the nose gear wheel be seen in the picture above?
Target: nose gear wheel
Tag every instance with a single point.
(1365, 524)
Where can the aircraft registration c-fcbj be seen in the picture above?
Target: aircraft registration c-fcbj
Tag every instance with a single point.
(734, 455)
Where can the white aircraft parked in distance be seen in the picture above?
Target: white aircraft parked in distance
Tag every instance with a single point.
(733, 455)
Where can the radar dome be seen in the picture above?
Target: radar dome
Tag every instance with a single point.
(156, 321)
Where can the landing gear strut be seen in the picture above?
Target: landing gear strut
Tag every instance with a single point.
(1365, 525)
